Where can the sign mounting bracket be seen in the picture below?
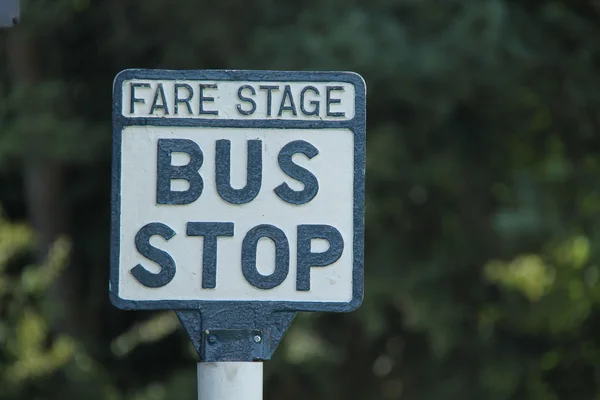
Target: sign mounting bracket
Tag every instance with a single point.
(245, 339)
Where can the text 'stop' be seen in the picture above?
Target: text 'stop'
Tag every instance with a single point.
(325, 101)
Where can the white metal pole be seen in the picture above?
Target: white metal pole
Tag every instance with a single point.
(230, 381)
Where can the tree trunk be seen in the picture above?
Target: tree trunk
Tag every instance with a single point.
(43, 179)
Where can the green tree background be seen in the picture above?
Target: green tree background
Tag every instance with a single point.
(483, 197)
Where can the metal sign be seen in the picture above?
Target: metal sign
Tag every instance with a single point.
(238, 200)
(9, 13)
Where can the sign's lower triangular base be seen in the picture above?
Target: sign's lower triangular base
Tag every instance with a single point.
(251, 333)
(192, 323)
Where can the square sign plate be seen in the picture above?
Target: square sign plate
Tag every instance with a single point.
(237, 187)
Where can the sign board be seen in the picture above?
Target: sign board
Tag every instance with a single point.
(238, 188)
(9, 13)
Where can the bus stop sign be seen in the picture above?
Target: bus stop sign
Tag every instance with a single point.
(237, 201)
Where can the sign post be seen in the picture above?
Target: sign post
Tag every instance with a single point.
(230, 380)
(237, 201)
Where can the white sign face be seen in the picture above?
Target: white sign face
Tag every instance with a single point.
(238, 186)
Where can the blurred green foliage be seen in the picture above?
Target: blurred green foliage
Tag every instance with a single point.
(483, 196)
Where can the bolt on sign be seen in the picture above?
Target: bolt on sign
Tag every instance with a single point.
(237, 201)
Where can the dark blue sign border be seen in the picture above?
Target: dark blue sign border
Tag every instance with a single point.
(357, 125)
